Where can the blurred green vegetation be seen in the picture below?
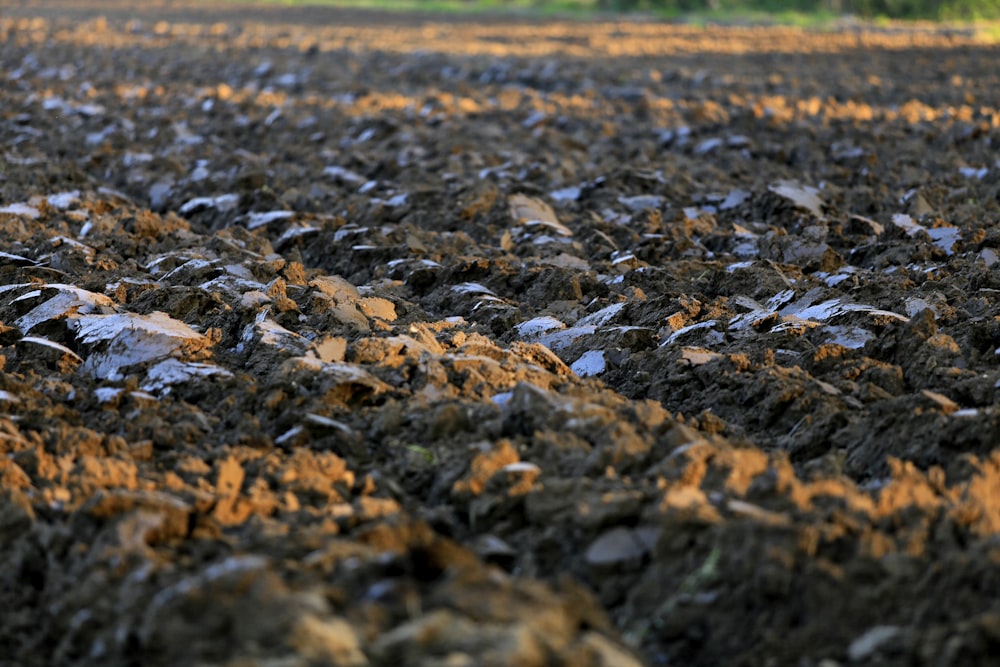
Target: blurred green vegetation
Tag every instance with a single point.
(903, 9)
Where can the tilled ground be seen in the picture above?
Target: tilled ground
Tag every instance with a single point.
(339, 338)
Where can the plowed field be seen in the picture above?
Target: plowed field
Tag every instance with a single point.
(343, 338)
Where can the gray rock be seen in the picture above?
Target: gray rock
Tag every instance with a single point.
(871, 641)
(618, 548)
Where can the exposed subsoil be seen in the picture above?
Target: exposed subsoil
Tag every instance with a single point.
(340, 338)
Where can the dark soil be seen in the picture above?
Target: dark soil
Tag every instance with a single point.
(331, 337)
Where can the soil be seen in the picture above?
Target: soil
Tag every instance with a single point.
(333, 337)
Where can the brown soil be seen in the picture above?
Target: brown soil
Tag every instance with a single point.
(331, 337)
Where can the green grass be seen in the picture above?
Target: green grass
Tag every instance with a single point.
(988, 33)
(424, 453)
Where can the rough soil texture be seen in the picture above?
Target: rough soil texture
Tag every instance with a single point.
(332, 338)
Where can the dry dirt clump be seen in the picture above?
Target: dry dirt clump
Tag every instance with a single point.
(337, 338)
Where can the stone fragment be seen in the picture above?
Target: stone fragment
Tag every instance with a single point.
(864, 646)
(492, 549)
(640, 203)
(617, 548)
(803, 196)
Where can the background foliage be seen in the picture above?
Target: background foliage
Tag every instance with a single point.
(932, 9)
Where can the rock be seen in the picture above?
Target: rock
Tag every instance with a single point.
(616, 549)
(803, 196)
(866, 645)
(492, 549)
(640, 203)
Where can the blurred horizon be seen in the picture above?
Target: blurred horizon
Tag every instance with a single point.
(947, 10)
